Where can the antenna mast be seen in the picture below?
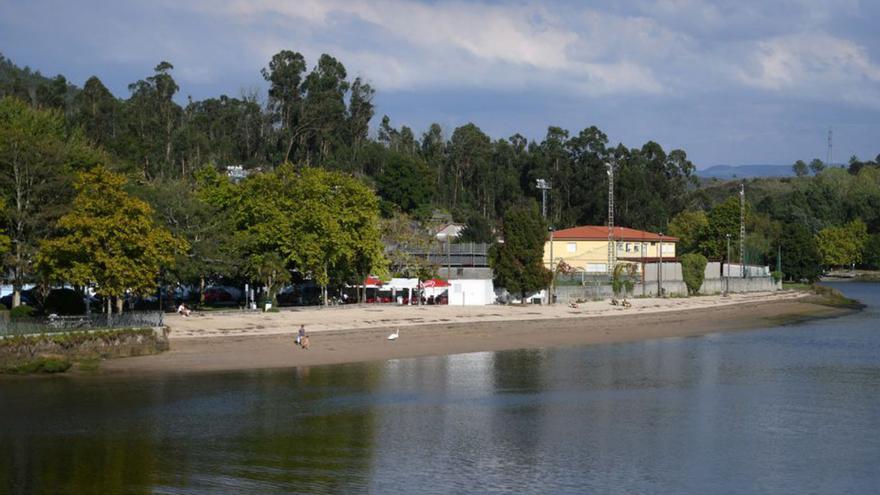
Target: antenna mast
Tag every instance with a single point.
(611, 250)
(830, 158)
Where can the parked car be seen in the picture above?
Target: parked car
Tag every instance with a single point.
(28, 298)
(222, 295)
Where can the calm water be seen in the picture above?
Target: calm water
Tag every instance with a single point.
(790, 410)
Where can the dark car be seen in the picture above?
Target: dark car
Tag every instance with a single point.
(28, 298)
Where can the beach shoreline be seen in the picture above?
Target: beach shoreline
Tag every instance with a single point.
(344, 338)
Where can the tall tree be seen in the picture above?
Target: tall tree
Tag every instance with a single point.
(801, 260)
(38, 154)
(109, 240)
(518, 262)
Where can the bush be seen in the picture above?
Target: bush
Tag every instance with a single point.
(777, 276)
(42, 365)
(693, 269)
(21, 312)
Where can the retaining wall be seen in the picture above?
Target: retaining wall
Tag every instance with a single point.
(20, 349)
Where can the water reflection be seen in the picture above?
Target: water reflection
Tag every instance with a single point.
(784, 411)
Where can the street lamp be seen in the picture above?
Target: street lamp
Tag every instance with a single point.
(552, 269)
(544, 186)
(660, 269)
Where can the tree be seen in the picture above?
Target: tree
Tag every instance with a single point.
(724, 220)
(817, 166)
(872, 251)
(405, 181)
(690, 227)
(801, 260)
(477, 229)
(4, 239)
(109, 240)
(693, 270)
(844, 245)
(518, 262)
(800, 168)
(38, 154)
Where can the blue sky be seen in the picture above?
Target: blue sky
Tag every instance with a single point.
(730, 82)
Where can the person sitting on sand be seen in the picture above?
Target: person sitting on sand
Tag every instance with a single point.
(183, 310)
(300, 335)
(305, 342)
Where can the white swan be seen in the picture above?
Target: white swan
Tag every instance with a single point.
(394, 335)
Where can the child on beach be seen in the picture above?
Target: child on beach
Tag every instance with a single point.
(305, 342)
(183, 310)
(300, 335)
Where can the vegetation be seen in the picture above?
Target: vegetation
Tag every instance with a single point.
(693, 269)
(325, 201)
(518, 263)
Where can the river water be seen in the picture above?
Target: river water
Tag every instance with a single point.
(785, 410)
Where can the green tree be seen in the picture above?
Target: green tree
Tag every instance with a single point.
(872, 251)
(38, 154)
(843, 245)
(817, 166)
(801, 260)
(477, 229)
(4, 239)
(405, 181)
(108, 240)
(518, 262)
(800, 168)
(693, 270)
(690, 227)
(724, 220)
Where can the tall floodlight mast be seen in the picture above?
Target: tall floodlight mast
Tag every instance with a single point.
(611, 250)
(742, 230)
(544, 186)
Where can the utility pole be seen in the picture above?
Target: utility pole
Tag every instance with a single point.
(830, 158)
(552, 271)
(544, 186)
(611, 247)
(727, 276)
(660, 268)
(742, 230)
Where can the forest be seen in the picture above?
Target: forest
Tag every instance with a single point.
(332, 187)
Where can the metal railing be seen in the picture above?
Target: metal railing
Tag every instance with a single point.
(94, 321)
(471, 254)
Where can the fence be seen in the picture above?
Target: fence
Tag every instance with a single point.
(94, 321)
(460, 254)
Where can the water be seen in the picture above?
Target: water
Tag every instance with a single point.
(785, 410)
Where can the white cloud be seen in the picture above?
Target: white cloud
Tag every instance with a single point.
(813, 64)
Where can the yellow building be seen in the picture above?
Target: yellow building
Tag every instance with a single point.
(585, 248)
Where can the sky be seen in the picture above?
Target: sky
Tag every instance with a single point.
(733, 82)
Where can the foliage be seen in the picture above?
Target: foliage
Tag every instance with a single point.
(518, 262)
(477, 229)
(690, 227)
(800, 168)
(842, 246)
(724, 220)
(693, 270)
(21, 312)
(872, 251)
(39, 365)
(38, 155)
(405, 181)
(801, 260)
(622, 278)
(4, 239)
(108, 240)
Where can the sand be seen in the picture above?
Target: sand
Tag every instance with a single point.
(235, 340)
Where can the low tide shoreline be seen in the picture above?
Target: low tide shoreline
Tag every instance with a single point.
(346, 339)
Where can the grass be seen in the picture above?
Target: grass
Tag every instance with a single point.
(46, 364)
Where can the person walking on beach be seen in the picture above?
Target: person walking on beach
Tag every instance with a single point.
(300, 335)
(305, 342)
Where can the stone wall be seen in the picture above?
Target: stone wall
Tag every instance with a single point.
(20, 349)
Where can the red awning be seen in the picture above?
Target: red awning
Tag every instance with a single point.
(435, 282)
(372, 282)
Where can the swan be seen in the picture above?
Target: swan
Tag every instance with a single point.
(394, 335)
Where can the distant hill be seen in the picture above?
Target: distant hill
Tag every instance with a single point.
(745, 171)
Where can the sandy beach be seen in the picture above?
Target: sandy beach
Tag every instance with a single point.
(237, 340)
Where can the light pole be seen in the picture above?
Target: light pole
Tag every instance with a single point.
(660, 269)
(544, 186)
(727, 276)
(552, 270)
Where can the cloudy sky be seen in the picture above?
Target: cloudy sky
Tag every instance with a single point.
(730, 82)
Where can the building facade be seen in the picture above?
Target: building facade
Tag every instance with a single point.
(585, 248)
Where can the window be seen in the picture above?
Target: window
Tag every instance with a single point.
(571, 247)
(636, 248)
(628, 247)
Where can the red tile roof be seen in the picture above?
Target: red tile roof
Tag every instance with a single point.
(600, 233)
